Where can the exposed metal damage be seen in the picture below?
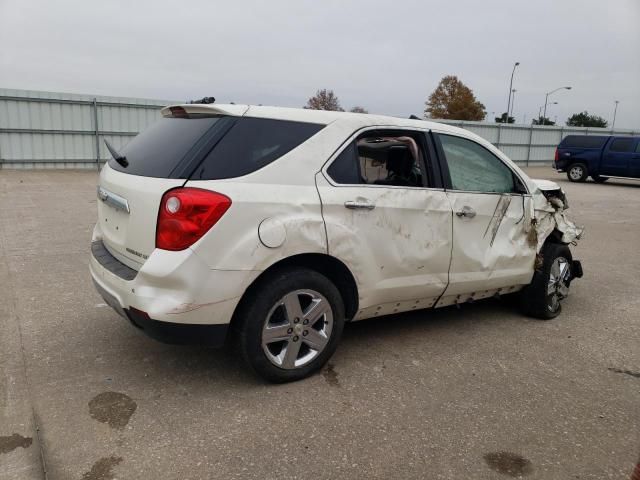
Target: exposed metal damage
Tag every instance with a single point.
(550, 214)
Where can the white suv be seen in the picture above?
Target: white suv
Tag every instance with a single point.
(275, 226)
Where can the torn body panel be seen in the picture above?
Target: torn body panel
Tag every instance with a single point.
(550, 207)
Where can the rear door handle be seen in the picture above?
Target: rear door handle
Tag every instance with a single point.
(466, 211)
(359, 205)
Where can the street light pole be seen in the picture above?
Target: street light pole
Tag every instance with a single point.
(510, 87)
(546, 99)
(513, 102)
(615, 110)
(540, 110)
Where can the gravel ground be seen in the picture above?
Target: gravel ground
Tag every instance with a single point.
(477, 392)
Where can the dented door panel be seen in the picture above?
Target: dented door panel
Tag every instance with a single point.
(492, 249)
(398, 251)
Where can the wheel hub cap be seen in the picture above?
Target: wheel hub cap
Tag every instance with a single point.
(575, 173)
(297, 329)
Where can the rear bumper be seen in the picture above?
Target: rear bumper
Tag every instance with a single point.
(174, 297)
(168, 332)
(561, 165)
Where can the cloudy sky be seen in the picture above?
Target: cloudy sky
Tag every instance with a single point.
(385, 56)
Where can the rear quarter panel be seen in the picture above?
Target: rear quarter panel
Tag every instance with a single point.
(265, 223)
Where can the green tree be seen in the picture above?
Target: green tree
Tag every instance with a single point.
(453, 100)
(324, 100)
(542, 121)
(503, 119)
(583, 119)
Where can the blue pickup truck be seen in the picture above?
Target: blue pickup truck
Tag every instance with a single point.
(599, 157)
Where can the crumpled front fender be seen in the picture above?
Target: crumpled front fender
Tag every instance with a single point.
(550, 207)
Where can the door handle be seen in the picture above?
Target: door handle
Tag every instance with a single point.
(359, 205)
(466, 212)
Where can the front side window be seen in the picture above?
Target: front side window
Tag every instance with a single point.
(473, 168)
(381, 158)
(621, 145)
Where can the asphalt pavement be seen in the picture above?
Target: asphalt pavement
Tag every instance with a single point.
(477, 392)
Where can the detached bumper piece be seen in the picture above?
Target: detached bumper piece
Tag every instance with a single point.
(178, 333)
(576, 269)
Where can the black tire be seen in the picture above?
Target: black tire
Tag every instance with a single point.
(535, 299)
(599, 179)
(577, 172)
(260, 303)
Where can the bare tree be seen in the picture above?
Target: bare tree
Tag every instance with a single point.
(324, 100)
(359, 109)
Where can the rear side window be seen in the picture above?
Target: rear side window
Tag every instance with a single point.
(251, 144)
(160, 149)
(621, 145)
(383, 157)
(583, 141)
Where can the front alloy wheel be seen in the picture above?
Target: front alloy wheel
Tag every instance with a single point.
(558, 284)
(297, 329)
(542, 298)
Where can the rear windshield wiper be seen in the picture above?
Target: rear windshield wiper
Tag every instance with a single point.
(121, 159)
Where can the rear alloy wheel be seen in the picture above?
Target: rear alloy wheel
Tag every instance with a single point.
(297, 329)
(290, 324)
(542, 298)
(577, 172)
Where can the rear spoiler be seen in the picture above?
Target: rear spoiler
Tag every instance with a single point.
(201, 109)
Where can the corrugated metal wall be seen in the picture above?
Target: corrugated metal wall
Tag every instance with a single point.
(63, 130)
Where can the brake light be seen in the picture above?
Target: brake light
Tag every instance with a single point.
(556, 157)
(178, 112)
(186, 214)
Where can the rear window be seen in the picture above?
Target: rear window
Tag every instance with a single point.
(583, 141)
(251, 144)
(161, 149)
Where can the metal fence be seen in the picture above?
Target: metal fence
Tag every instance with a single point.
(61, 130)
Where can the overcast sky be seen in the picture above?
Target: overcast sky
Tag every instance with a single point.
(386, 56)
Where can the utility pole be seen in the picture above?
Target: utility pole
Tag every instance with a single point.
(615, 110)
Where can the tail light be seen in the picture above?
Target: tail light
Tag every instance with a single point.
(556, 157)
(186, 214)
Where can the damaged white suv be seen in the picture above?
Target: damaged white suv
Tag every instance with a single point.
(275, 226)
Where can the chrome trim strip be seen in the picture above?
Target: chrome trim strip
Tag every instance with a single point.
(116, 201)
